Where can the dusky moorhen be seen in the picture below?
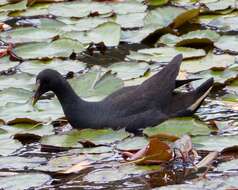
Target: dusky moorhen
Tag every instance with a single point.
(133, 108)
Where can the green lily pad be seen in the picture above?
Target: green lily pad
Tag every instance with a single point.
(21, 5)
(133, 143)
(29, 34)
(165, 16)
(225, 24)
(34, 10)
(129, 70)
(95, 85)
(19, 80)
(198, 37)
(8, 145)
(16, 95)
(131, 20)
(108, 33)
(220, 77)
(71, 9)
(214, 143)
(165, 54)
(19, 181)
(228, 44)
(46, 111)
(98, 137)
(179, 127)
(230, 165)
(220, 5)
(106, 175)
(157, 2)
(191, 38)
(20, 163)
(41, 130)
(62, 66)
(221, 182)
(211, 61)
(58, 48)
(66, 161)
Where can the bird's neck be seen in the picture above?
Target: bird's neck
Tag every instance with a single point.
(66, 94)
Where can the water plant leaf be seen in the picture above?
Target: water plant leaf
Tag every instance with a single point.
(179, 127)
(40, 50)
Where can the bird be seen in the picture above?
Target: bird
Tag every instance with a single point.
(134, 107)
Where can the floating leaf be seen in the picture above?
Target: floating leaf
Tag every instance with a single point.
(165, 16)
(228, 44)
(198, 37)
(129, 70)
(179, 127)
(8, 145)
(20, 163)
(124, 171)
(165, 54)
(58, 48)
(19, 181)
(62, 66)
(211, 61)
(71, 139)
(28, 34)
(134, 143)
(215, 143)
(157, 2)
(21, 5)
(95, 85)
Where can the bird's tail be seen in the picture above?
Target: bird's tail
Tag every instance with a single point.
(187, 103)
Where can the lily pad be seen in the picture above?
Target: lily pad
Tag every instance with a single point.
(19, 80)
(165, 54)
(58, 48)
(225, 24)
(215, 143)
(179, 127)
(98, 137)
(16, 95)
(129, 70)
(19, 181)
(107, 175)
(62, 66)
(211, 61)
(21, 5)
(133, 143)
(37, 129)
(229, 165)
(28, 34)
(165, 16)
(20, 163)
(108, 33)
(8, 145)
(95, 84)
(228, 44)
(198, 37)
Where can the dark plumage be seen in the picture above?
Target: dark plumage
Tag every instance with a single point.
(132, 108)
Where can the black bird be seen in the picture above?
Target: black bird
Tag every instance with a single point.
(133, 107)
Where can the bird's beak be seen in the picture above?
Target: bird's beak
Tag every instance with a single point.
(36, 95)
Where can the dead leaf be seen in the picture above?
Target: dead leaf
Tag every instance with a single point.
(155, 152)
(27, 138)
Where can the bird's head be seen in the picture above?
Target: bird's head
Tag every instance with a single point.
(46, 80)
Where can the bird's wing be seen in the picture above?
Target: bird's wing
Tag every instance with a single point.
(134, 122)
(162, 84)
